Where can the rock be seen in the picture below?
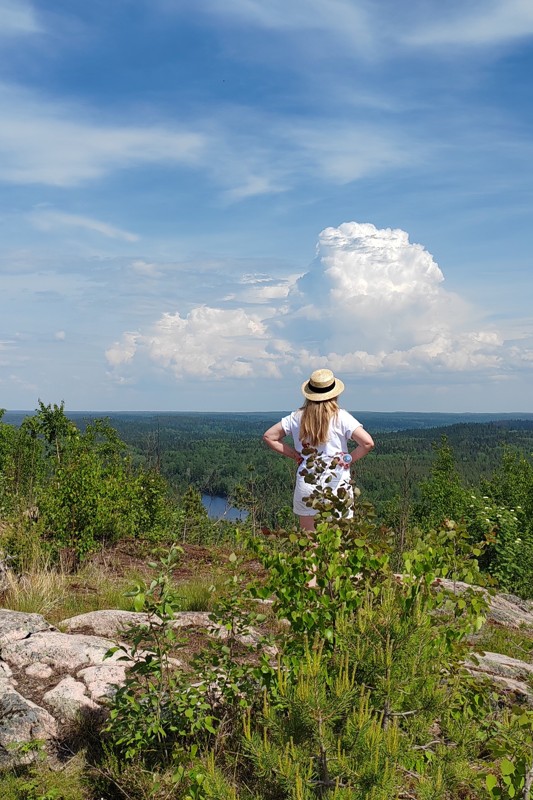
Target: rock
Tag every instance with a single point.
(115, 623)
(21, 721)
(192, 619)
(39, 670)
(6, 676)
(68, 700)
(102, 681)
(511, 673)
(61, 651)
(104, 623)
(507, 667)
(16, 625)
(504, 609)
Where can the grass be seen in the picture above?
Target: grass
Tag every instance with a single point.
(58, 595)
(196, 595)
(40, 591)
(39, 782)
(506, 641)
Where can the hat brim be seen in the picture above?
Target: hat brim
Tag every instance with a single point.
(308, 392)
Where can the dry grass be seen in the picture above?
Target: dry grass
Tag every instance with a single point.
(58, 595)
(196, 595)
(40, 591)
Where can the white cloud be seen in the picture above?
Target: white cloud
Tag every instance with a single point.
(51, 220)
(146, 268)
(60, 336)
(491, 22)
(371, 302)
(44, 141)
(122, 352)
(374, 302)
(207, 343)
(17, 17)
(260, 288)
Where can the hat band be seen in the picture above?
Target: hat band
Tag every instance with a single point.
(320, 389)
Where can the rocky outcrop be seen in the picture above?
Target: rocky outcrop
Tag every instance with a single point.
(511, 673)
(50, 678)
(504, 609)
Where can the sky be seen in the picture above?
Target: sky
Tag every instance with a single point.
(202, 201)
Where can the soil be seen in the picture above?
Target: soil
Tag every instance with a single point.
(197, 561)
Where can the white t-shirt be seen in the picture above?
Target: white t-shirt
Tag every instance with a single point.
(341, 428)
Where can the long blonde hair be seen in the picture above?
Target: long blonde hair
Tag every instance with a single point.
(314, 423)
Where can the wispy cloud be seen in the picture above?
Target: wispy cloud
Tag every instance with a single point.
(353, 150)
(53, 220)
(246, 153)
(492, 22)
(146, 268)
(18, 17)
(47, 141)
(383, 29)
(345, 19)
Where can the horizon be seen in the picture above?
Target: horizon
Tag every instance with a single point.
(523, 414)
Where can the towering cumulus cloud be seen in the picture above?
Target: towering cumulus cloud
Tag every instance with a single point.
(370, 302)
(375, 301)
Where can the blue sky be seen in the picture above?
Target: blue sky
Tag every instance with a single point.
(201, 201)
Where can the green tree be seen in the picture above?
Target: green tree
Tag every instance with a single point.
(442, 495)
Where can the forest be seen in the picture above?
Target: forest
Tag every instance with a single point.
(356, 689)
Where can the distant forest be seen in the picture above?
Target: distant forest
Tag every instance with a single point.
(222, 454)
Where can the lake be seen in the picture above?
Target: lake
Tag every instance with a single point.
(218, 508)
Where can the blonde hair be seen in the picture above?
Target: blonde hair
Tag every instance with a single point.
(315, 419)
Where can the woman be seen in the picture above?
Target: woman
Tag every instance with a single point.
(321, 425)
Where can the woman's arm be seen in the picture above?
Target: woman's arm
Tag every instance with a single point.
(365, 443)
(274, 436)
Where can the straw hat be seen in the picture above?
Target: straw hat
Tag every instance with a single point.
(322, 385)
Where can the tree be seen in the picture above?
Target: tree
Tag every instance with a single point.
(442, 495)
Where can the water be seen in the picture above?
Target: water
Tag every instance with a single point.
(218, 508)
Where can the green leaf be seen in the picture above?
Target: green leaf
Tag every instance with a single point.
(507, 767)
(138, 602)
(491, 781)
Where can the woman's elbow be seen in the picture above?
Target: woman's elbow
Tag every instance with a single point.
(368, 445)
(268, 440)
